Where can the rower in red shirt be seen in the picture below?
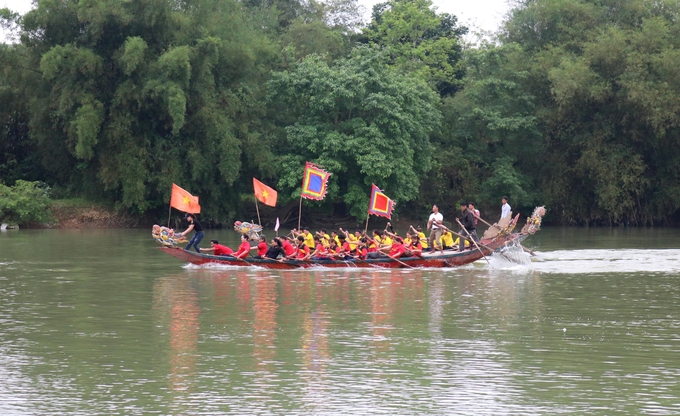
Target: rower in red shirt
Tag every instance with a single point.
(302, 250)
(332, 249)
(416, 246)
(320, 251)
(244, 248)
(261, 247)
(361, 251)
(398, 248)
(344, 251)
(218, 249)
(287, 246)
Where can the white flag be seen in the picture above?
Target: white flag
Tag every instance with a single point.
(276, 227)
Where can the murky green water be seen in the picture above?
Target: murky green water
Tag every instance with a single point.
(100, 322)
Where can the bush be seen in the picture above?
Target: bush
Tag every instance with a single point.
(25, 202)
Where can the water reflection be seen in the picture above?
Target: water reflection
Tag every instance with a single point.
(578, 332)
(264, 322)
(176, 303)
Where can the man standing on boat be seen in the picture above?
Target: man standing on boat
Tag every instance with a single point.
(475, 212)
(434, 224)
(198, 232)
(505, 208)
(467, 220)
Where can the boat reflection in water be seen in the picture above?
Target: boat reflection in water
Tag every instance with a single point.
(293, 339)
(177, 306)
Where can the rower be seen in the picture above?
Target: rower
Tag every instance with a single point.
(361, 251)
(344, 250)
(325, 238)
(320, 252)
(421, 235)
(218, 249)
(261, 247)
(244, 248)
(334, 236)
(309, 237)
(352, 239)
(288, 249)
(447, 240)
(416, 246)
(398, 249)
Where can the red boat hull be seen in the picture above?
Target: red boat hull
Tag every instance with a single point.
(448, 259)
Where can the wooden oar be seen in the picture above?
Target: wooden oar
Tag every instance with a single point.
(473, 240)
(461, 236)
(393, 258)
(401, 262)
(243, 260)
(499, 228)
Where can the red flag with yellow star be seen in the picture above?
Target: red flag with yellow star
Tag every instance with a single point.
(184, 201)
(265, 194)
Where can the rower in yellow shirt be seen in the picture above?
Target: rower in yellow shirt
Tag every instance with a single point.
(389, 237)
(447, 240)
(325, 238)
(456, 243)
(308, 237)
(352, 239)
(334, 236)
(377, 240)
(386, 240)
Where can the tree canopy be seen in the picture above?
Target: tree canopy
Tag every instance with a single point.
(574, 104)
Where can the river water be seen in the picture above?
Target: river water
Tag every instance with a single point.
(100, 322)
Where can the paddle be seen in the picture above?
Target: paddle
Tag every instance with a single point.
(243, 260)
(401, 262)
(473, 240)
(461, 236)
(499, 228)
(393, 258)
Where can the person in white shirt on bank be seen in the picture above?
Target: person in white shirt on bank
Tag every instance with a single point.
(434, 224)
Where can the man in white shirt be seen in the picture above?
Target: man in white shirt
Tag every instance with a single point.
(505, 208)
(434, 225)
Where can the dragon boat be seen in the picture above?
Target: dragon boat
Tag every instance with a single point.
(495, 238)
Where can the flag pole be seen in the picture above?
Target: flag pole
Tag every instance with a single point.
(300, 212)
(366, 228)
(258, 212)
(169, 213)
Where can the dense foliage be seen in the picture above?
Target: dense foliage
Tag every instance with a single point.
(574, 105)
(25, 202)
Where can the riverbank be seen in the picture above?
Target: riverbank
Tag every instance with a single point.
(79, 213)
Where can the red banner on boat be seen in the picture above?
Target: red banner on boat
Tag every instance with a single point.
(264, 193)
(184, 201)
(314, 182)
(380, 204)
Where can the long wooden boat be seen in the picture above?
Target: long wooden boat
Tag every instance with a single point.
(449, 258)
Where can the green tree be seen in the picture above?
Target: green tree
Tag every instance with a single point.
(137, 95)
(363, 121)
(420, 40)
(607, 105)
(489, 137)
